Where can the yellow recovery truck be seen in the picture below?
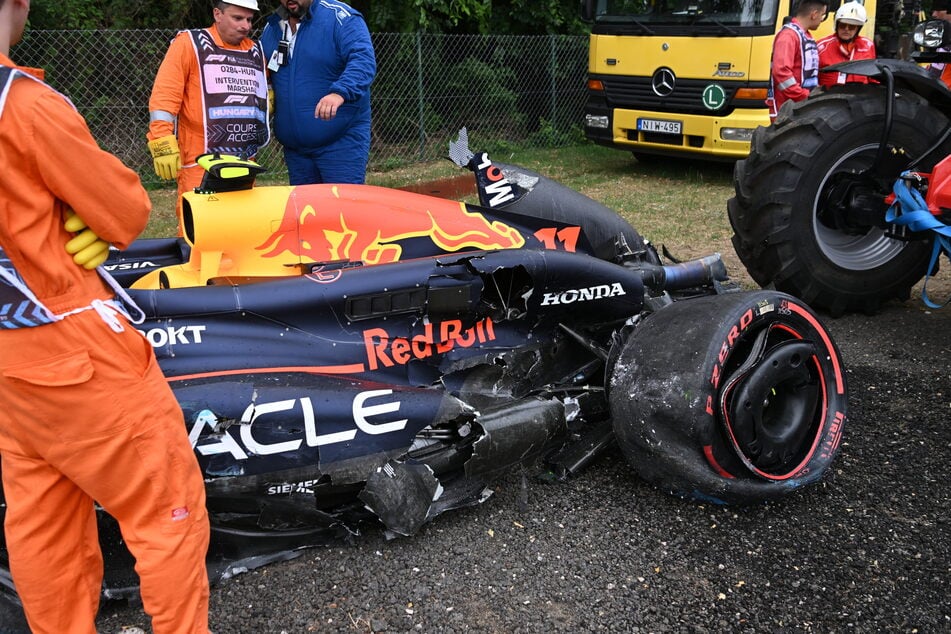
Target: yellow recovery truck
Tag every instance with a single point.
(689, 77)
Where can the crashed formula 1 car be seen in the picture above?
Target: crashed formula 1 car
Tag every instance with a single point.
(350, 353)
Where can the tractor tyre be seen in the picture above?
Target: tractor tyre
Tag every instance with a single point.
(785, 229)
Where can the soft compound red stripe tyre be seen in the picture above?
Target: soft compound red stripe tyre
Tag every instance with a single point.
(735, 398)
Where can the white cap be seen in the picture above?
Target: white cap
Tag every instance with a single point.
(247, 4)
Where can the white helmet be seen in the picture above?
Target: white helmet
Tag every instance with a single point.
(247, 4)
(851, 13)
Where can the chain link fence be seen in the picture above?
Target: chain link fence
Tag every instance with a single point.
(507, 90)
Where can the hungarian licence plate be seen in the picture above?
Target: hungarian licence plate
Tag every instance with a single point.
(660, 125)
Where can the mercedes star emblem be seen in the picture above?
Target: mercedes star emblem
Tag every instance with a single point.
(663, 82)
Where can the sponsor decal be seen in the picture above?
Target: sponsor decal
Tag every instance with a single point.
(831, 441)
(171, 335)
(745, 320)
(571, 296)
(130, 266)
(303, 486)
(498, 187)
(386, 351)
(373, 413)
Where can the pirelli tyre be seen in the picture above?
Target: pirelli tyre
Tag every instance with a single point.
(735, 398)
(786, 231)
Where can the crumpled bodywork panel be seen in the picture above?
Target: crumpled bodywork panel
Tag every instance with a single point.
(514, 434)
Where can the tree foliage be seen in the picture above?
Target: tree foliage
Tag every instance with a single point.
(496, 17)
(111, 14)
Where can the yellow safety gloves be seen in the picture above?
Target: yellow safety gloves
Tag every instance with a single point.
(166, 156)
(88, 249)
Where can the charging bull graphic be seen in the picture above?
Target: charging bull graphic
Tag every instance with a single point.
(280, 231)
(326, 223)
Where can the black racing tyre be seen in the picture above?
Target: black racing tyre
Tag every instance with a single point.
(736, 398)
(785, 230)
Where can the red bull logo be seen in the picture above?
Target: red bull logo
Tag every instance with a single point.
(386, 351)
(363, 223)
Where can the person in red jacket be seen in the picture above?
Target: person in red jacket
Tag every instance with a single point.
(845, 45)
(86, 416)
(794, 65)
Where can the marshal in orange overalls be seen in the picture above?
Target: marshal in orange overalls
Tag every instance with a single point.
(177, 91)
(85, 413)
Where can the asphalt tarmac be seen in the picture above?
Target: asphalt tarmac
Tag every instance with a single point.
(867, 550)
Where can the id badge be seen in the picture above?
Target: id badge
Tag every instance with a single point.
(273, 64)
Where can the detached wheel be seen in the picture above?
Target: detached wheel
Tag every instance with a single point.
(735, 398)
(806, 217)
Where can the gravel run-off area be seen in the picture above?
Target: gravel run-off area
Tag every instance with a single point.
(867, 550)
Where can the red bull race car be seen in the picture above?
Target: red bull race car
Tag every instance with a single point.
(346, 354)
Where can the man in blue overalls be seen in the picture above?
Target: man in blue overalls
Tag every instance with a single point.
(321, 65)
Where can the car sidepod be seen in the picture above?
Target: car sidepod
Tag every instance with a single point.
(380, 388)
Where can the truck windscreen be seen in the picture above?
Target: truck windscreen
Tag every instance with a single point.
(733, 17)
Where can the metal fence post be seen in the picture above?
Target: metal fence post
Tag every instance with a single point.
(553, 86)
(421, 95)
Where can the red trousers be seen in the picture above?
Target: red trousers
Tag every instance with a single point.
(86, 415)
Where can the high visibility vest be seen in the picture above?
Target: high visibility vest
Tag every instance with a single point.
(809, 73)
(234, 96)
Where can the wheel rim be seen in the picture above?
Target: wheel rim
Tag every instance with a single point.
(853, 252)
(773, 403)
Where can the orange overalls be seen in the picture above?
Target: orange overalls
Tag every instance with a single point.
(177, 91)
(85, 413)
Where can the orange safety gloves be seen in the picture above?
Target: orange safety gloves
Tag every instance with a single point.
(166, 156)
(87, 248)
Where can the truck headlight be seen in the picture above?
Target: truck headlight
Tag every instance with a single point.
(736, 134)
(597, 121)
(929, 35)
